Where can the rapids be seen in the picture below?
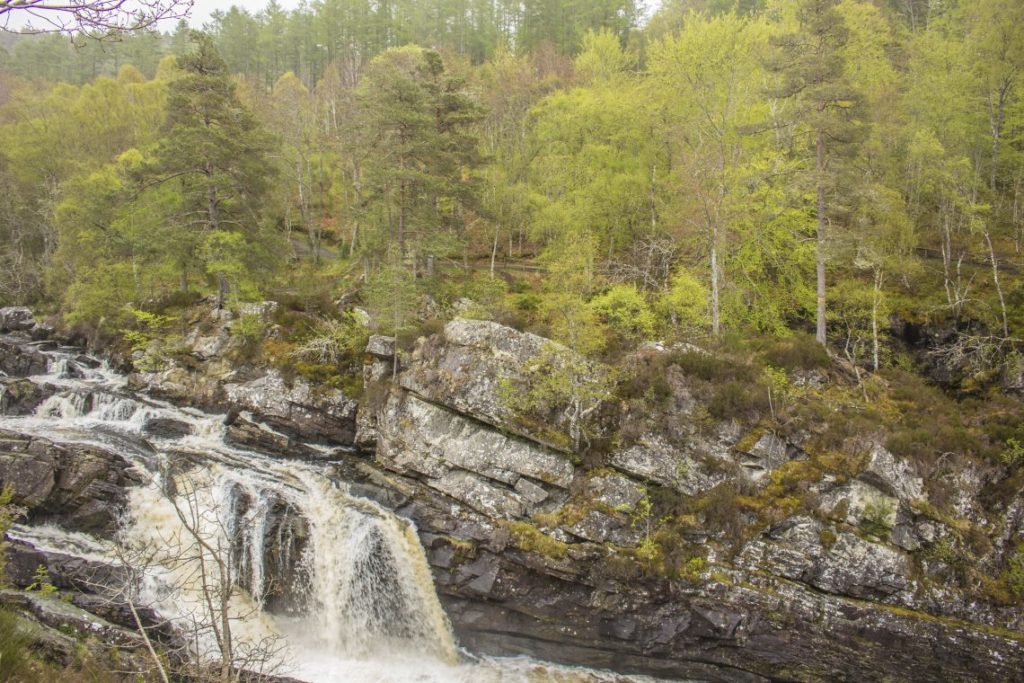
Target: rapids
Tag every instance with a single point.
(334, 587)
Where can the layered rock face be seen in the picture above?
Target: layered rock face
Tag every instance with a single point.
(534, 553)
(538, 550)
(80, 487)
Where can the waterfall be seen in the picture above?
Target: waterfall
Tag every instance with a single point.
(339, 585)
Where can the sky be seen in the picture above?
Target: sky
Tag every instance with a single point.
(202, 9)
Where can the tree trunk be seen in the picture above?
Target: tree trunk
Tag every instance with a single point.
(494, 253)
(820, 333)
(715, 322)
(874, 319)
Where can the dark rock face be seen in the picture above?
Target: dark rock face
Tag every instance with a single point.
(17, 360)
(82, 487)
(22, 397)
(246, 433)
(166, 428)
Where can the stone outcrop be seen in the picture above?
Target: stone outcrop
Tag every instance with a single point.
(82, 487)
(21, 396)
(535, 550)
(16, 319)
(19, 360)
(824, 597)
(493, 473)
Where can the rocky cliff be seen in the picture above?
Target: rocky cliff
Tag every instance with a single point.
(683, 545)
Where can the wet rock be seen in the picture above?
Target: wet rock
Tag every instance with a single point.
(17, 360)
(301, 409)
(21, 396)
(167, 428)
(246, 433)
(16, 319)
(63, 570)
(82, 487)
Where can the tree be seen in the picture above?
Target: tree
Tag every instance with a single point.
(997, 38)
(710, 69)
(812, 65)
(216, 154)
(89, 18)
(420, 153)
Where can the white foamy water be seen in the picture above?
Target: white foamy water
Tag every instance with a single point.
(337, 588)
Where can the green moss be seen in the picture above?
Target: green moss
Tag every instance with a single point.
(529, 538)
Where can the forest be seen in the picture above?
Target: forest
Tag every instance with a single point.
(686, 340)
(717, 170)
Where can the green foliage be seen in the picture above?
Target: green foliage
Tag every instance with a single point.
(877, 517)
(14, 646)
(8, 513)
(41, 582)
(334, 341)
(1015, 573)
(624, 309)
(1013, 454)
(562, 383)
(685, 302)
(248, 330)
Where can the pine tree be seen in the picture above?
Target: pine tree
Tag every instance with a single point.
(415, 123)
(813, 74)
(213, 148)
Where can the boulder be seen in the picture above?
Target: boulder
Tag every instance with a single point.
(600, 527)
(615, 491)
(166, 428)
(891, 475)
(22, 396)
(654, 460)
(244, 432)
(299, 408)
(861, 569)
(18, 360)
(422, 437)
(465, 368)
(767, 453)
(16, 319)
(859, 504)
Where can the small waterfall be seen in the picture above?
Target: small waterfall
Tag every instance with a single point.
(339, 583)
(67, 405)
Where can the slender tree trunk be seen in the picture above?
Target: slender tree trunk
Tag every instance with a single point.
(996, 120)
(820, 333)
(494, 253)
(876, 294)
(715, 321)
(401, 211)
(995, 279)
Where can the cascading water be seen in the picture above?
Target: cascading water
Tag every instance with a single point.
(340, 585)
